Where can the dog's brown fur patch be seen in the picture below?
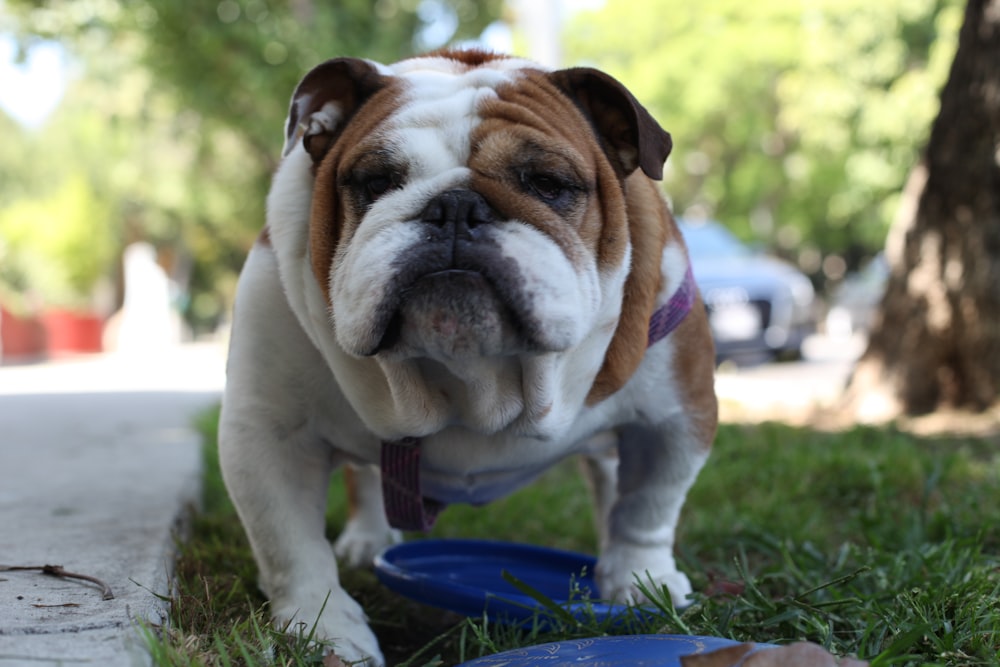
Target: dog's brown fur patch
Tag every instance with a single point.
(650, 225)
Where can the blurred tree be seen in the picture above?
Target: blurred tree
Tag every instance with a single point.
(196, 93)
(58, 245)
(116, 146)
(15, 151)
(237, 62)
(936, 342)
(794, 122)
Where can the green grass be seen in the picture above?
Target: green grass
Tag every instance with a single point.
(870, 542)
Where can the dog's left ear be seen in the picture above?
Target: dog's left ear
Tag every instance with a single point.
(630, 136)
(325, 100)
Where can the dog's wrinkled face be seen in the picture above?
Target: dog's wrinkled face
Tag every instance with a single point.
(471, 209)
(461, 245)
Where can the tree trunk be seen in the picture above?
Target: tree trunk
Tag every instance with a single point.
(936, 341)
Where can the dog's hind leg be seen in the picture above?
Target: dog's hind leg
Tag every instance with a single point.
(600, 470)
(367, 531)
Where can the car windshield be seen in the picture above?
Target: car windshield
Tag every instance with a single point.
(712, 240)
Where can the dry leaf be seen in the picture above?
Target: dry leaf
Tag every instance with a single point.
(332, 660)
(724, 588)
(802, 654)
(724, 657)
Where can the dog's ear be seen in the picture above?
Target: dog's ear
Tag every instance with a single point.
(629, 135)
(325, 100)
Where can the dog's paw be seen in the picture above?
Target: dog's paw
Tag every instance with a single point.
(341, 626)
(359, 542)
(622, 567)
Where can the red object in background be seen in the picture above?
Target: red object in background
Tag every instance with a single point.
(69, 332)
(22, 337)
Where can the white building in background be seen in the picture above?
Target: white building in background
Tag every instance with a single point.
(148, 320)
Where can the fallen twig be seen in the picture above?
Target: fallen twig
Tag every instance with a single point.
(58, 571)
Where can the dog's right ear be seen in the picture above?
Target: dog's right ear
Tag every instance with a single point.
(325, 100)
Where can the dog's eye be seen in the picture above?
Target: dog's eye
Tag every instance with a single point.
(547, 187)
(369, 185)
(377, 185)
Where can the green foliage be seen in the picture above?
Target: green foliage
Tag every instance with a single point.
(236, 63)
(870, 542)
(59, 245)
(116, 145)
(795, 123)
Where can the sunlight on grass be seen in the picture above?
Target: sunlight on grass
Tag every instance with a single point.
(870, 542)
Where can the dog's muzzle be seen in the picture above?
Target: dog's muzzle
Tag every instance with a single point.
(455, 294)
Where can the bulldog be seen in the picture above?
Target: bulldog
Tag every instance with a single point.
(467, 274)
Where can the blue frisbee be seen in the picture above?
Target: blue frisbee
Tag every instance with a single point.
(630, 650)
(476, 577)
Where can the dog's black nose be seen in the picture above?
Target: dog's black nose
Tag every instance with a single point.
(465, 209)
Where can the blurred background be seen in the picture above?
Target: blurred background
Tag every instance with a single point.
(139, 136)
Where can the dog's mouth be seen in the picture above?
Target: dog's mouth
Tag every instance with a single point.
(452, 314)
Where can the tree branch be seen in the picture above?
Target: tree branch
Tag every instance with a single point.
(58, 571)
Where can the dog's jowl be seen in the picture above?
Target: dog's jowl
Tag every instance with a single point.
(468, 273)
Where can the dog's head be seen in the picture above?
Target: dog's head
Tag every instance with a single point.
(469, 210)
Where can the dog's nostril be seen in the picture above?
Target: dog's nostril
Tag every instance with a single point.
(434, 212)
(482, 213)
(463, 208)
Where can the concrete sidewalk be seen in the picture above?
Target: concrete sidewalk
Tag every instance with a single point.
(98, 465)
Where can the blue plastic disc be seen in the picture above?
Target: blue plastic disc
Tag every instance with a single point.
(631, 650)
(467, 577)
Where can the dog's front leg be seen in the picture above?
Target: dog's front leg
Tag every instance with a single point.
(279, 486)
(656, 468)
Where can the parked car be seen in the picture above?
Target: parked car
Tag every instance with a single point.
(757, 304)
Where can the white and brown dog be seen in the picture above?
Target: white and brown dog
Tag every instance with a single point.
(467, 275)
